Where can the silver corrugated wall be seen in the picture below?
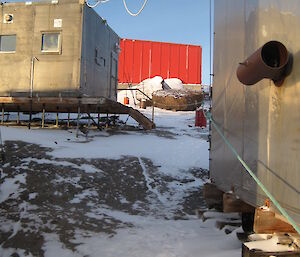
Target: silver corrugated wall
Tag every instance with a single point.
(261, 121)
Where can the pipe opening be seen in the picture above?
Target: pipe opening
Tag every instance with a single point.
(271, 61)
(274, 54)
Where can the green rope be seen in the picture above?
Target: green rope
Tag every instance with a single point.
(271, 197)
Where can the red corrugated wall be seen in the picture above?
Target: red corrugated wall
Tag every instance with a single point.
(141, 59)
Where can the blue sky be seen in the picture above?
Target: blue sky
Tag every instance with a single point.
(178, 21)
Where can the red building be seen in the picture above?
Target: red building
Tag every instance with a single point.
(141, 59)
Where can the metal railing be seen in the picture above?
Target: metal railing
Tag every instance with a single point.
(137, 89)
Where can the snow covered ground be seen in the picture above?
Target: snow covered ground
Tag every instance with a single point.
(109, 194)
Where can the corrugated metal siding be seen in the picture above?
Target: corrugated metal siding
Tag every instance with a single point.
(98, 72)
(140, 60)
(261, 121)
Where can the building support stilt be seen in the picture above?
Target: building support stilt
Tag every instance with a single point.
(78, 118)
(56, 123)
(18, 116)
(43, 117)
(2, 118)
(68, 122)
(89, 123)
(30, 114)
(106, 125)
(98, 118)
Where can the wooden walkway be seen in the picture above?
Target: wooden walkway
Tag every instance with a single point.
(100, 105)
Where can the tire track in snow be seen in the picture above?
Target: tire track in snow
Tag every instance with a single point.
(149, 181)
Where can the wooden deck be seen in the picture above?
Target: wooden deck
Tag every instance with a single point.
(72, 105)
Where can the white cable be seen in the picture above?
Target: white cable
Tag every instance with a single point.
(135, 14)
(98, 2)
(124, 1)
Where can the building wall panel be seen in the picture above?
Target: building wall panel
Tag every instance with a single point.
(146, 62)
(193, 61)
(121, 61)
(137, 61)
(174, 61)
(183, 61)
(165, 65)
(99, 54)
(261, 121)
(140, 60)
(155, 59)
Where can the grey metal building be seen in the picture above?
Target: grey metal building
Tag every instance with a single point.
(261, 121)
(59, 48)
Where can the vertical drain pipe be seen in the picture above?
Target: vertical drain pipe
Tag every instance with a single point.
(31, 88)
(18, 117)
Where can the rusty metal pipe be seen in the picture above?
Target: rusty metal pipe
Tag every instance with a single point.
(271, 61)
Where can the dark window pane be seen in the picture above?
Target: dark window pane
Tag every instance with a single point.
(50, 42)
(8, 43)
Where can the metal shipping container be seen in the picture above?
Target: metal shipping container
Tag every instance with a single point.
(141, 59)
(59, 48)
(261, 121)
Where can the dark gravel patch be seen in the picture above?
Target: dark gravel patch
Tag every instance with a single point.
(67, 198)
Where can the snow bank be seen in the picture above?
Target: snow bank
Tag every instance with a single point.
(154, 84)
(148, 86)
(269, 245)
(174, 83)
(161, 238)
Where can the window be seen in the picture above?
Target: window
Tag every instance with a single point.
(51, 42)
(8, 43)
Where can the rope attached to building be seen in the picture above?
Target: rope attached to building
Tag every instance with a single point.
(251, 173)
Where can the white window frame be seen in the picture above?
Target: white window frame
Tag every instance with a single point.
(59, 50)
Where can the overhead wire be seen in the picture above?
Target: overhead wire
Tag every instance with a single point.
(125, 5)
(97, 3)
(137, 13)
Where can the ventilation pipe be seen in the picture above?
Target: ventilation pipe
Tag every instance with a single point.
(271, 61)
